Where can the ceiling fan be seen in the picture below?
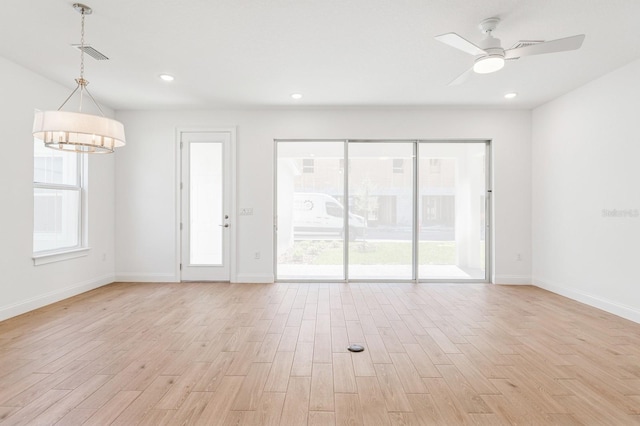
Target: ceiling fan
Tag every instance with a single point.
(490, 56)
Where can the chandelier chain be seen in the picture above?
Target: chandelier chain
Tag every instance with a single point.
(82, 83)
(82, 47)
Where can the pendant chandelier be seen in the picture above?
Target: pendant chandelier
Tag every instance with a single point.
(77, 131)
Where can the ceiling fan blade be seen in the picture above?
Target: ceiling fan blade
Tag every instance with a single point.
(559, 45)
(461, 78)
(454, 40)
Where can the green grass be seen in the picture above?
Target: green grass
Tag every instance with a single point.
(319, 252)
(388, 253)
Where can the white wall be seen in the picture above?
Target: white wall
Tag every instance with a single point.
(146, 177)
(586, 154)
(24, 286)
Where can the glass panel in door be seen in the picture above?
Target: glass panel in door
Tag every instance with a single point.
(206, 185)
(381, 210)
(451, 211)
(310, 212)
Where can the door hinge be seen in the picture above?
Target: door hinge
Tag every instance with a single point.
(181, 266)
(181, 145)
(181, 185)
(181, 226)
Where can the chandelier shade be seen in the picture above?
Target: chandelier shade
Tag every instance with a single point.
(78, 132)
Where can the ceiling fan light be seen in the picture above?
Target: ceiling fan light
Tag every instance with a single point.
(488, 64)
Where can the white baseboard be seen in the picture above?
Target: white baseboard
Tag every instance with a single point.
(146, 278)
(254, 278)
(39, 301)
(512, 279)
(610, 306)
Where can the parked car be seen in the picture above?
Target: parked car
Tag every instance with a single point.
(317, 213)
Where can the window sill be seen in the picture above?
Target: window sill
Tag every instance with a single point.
(59, 256)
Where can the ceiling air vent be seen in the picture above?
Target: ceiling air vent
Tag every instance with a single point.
(89, 50)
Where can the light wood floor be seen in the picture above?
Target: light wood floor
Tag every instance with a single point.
(269, 354)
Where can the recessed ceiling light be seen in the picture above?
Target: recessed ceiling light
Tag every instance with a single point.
(167, 77)
(510, 95)
(296, 96)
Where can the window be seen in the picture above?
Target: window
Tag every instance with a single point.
(57, 200)
(407, 210)
(334, 209)
(307, 165)
(398, 165)
(434, 165)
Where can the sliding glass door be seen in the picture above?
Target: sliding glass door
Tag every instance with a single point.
(382, 210)
(381, 205)
(452, 206)
(310, 214)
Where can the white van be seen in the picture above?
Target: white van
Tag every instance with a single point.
(317, 213)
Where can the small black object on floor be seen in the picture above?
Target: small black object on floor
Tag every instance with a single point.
(355, 348)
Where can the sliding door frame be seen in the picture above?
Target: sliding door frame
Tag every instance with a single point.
(488, 232)
(275, 214)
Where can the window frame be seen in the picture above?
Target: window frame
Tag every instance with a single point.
(81, 247)
(347, 199)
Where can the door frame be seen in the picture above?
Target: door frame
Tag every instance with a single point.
(488, 209)
(233, 273)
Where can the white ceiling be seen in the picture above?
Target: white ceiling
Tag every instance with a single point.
(255, 53)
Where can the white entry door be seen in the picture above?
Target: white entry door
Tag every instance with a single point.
(205, 205)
